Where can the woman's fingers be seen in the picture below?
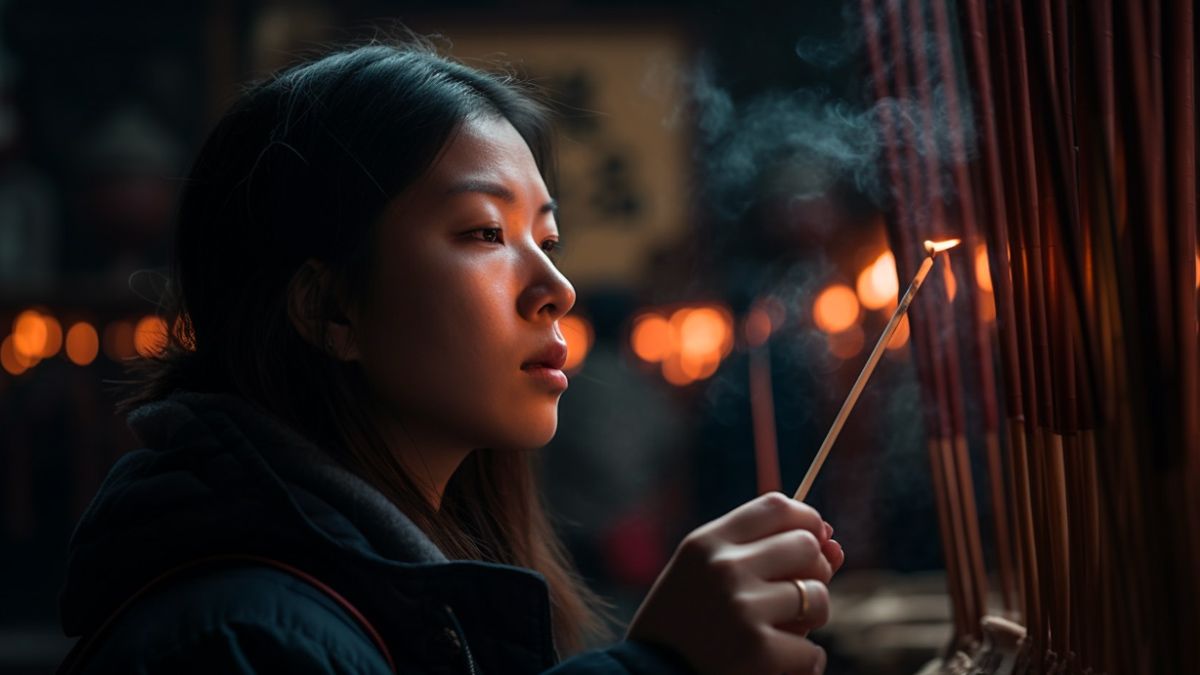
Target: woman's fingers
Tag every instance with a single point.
(764, 516)
(729, 588)
(834, 554)
(780, 604)
(794, 654)
(794, 554)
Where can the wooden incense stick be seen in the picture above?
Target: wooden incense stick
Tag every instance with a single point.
(932, 249)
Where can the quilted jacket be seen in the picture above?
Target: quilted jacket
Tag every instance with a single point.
(217, 476)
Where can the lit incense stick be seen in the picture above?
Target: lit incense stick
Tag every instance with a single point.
(932, 248)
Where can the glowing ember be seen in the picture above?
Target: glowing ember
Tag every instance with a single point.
(936, 247)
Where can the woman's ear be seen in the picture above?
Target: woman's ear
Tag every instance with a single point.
(318, 314)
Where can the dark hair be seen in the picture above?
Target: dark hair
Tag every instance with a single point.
(300, 168)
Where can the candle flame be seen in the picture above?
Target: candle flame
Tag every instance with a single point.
(936, 247)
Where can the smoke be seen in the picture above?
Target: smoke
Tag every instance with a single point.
(823, 53)
(801, 137)
(804, 142)
(826, 53)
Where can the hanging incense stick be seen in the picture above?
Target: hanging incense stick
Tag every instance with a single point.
(932, 249)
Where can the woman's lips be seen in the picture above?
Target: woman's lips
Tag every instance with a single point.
(550, 377)
(546, 365)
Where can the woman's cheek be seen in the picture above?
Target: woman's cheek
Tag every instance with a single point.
(389, 344)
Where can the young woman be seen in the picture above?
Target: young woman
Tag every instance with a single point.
(337, 467)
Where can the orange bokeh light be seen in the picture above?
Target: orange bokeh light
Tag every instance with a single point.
(651, 338)
(703, 332)
(54, 336)
(150, 336)
(877, 284)
(848, 343)
(673, 372)
(579, 335)
(836, 309)
(701, 337)
(757, 326)
(951, 282)
(699, 366)
(12, 360)
(900, 337)
(29, 334)
(690, 344)
(983, 274)
(676, 325)
(119, 340)
(987, 307)
(82, 343)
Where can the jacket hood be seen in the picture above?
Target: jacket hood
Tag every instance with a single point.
(218, 475)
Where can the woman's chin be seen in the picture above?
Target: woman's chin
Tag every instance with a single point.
(534, 434)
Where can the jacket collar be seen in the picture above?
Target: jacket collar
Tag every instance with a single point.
(218, 475)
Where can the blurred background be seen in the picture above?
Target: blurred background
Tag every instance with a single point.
(722, 224)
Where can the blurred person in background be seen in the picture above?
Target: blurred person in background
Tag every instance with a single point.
(364, 354)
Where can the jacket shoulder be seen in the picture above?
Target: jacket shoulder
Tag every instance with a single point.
(246, 620)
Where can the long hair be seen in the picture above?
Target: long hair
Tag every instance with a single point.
(300, 168)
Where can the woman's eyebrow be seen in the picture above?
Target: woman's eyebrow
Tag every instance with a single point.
(495, 190)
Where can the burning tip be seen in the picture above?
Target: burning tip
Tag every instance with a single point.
(935, 247)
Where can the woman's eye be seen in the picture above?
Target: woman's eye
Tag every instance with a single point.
(553, 248)
(488, 234)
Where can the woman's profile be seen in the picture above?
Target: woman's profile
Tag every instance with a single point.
(336, 473)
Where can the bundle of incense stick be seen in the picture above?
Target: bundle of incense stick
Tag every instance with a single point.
(1065, 132)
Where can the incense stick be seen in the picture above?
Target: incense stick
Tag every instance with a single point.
(932, 249)
(762, 412)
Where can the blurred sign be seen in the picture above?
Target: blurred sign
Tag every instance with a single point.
(622, 155)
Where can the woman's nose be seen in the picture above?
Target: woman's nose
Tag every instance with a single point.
(548, 291)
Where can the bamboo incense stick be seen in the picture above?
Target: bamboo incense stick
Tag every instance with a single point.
(932, 249)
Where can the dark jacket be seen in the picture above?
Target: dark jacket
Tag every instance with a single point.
(218, 476)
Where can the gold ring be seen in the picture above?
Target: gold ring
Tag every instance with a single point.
(800, 616)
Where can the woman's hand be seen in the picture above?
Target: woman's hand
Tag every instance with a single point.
(727, 602)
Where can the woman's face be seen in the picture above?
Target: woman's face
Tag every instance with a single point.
(466, 297)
